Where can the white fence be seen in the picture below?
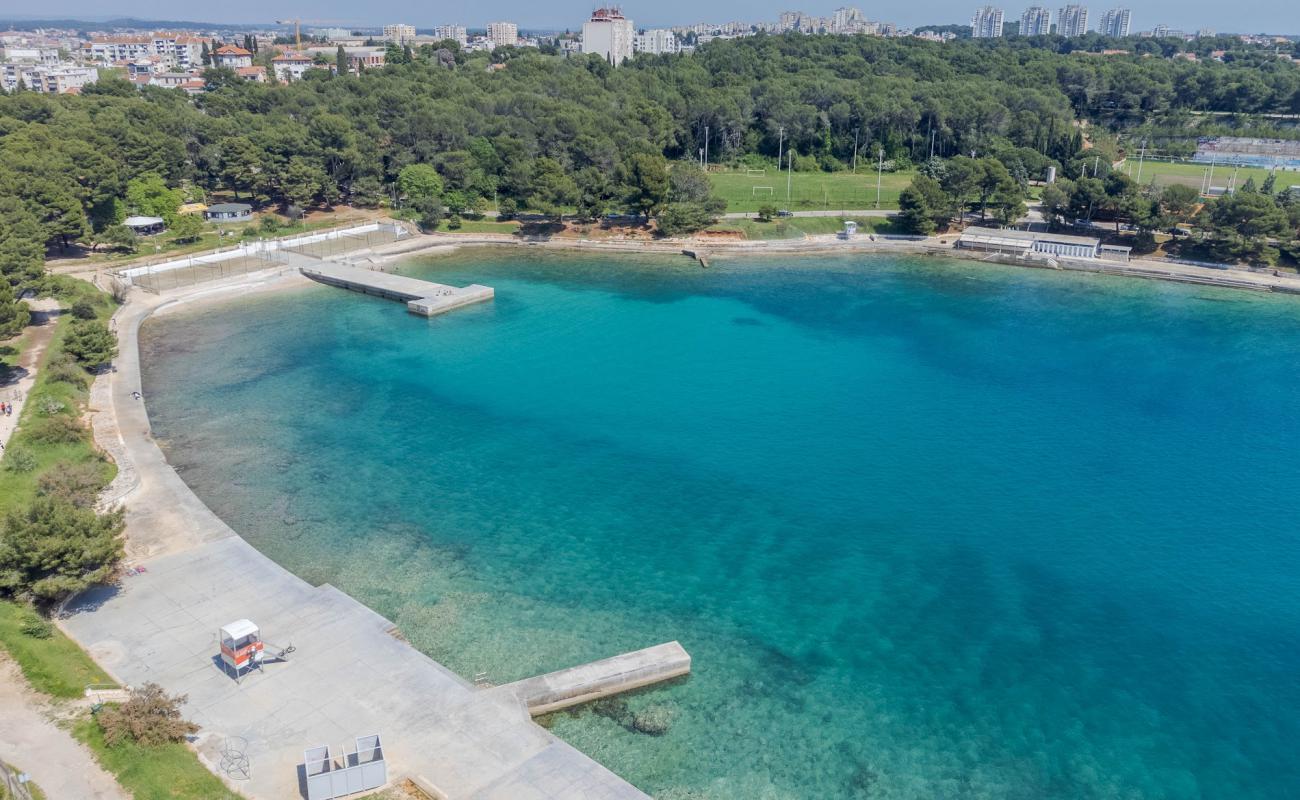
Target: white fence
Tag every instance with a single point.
(263, 247)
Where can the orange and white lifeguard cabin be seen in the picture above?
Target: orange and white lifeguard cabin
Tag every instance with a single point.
(241, 646)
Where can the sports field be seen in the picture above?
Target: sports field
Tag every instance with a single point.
(799, 227)
(1195, 175)
(809, 190)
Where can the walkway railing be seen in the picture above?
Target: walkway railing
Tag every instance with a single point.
(15, 783)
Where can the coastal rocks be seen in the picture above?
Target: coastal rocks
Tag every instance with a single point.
(652, 720)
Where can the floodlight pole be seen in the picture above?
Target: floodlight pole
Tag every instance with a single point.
(789, 175)
(880, 171)
(1141, 156)
(706, 147)
(780, 144)
(855, 150)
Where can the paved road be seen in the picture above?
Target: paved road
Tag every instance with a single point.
(16, 389)
(31, 741)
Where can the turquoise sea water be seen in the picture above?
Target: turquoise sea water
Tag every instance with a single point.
(929, 529)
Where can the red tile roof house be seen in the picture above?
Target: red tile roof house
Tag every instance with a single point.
(231, 56)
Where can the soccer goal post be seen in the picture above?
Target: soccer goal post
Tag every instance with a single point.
(751, 171)
(757, 189)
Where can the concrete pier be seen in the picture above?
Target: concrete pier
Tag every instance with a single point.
(421, 297)
(575, 685)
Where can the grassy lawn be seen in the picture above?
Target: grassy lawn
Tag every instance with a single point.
(18, 488)
(798, 227)
(1165, 173)
(153, 773)
(810, 191)
(54, 665)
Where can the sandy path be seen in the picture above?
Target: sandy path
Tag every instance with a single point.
(44, 315)
(31, 741)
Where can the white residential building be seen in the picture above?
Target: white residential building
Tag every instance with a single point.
(112, 49)
(987, 23)
(1115, 22)
(181, 51)
(456, 33)
(232, 56)
(657, 41)
(1072, 21)
(399, 33)
(788, 21)
(45, 56)
(292, 66)
(847, 20)
(46, 79)
(609, 34)
(502, 34)
(1036, 21)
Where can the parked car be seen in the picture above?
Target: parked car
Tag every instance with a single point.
(785, 213)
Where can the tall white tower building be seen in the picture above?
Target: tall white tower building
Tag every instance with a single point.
(1036, 21)
(610, 34)
(1115, 22)
(1072, 21)
(987, 23)
(503, 34)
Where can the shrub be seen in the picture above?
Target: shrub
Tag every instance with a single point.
(19, 460)
(766, 212)
(507, 208)
(83, 309)
(78, 484)
(91, 343)
(65, 369)
(50, 406)
(35, 626)
(57, 429)
(51, 549)
(150, 717)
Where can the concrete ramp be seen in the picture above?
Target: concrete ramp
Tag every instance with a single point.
(425, 298)
(575, 685)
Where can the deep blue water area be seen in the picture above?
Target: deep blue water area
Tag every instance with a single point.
(929, 528)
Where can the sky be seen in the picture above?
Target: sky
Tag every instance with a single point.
(1243, 16)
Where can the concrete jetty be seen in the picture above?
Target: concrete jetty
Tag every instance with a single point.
(425, 298)
(575, 685)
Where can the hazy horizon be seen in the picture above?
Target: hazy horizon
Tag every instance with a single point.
(1250, 16)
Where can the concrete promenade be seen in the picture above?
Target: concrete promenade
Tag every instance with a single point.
(349, 676)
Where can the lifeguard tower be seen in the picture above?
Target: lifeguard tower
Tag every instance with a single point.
(241, 647)
(850, 229)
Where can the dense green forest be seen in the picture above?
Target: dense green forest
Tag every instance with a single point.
(530, 130)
